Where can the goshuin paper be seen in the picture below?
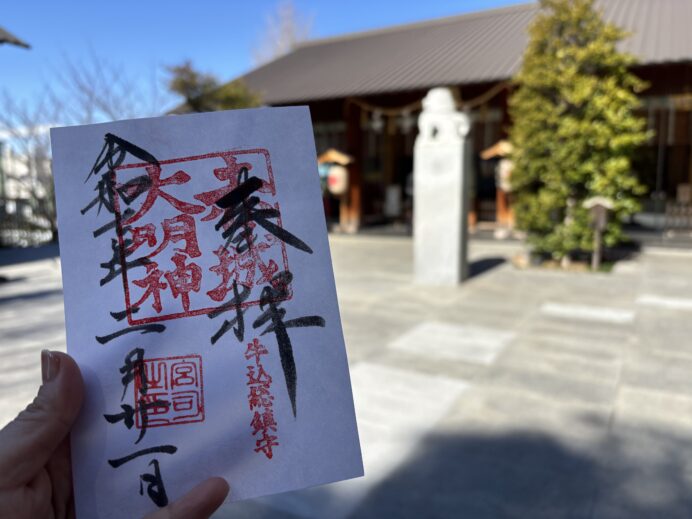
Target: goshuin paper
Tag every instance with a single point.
(200, 305)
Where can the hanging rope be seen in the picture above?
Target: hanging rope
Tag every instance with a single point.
(389, 112)
(484, 98)
(417, 105)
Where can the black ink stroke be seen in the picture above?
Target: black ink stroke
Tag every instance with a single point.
(269, 298)
(142, 328)
(240, 210)
(164, 449)
(155, 488)
(238, 322)
(127, 416)
(117, 146)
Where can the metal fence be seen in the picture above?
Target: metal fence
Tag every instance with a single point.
(678, 217)
(19, 227)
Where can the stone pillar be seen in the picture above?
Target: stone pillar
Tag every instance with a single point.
(440, 191)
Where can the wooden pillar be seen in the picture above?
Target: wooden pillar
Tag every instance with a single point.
(661, 155)
(354, 147)
(388, 158)
(689, 145)
(501, 208)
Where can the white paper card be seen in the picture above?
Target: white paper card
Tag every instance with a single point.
(200, 305)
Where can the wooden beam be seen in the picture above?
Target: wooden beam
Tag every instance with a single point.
(354, 147)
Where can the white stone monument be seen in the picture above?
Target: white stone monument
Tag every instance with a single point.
(440, 192)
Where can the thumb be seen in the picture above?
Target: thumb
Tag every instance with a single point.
(28, 442)
(198, 503)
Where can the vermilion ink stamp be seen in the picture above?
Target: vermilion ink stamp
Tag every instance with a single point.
(161, 212)
(177, 381)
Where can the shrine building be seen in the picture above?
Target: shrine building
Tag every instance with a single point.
(365, 89)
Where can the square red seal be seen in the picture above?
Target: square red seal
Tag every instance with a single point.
(173, 255)
(176, 380)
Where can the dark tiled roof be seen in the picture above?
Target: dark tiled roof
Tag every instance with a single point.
(471, 48)
(6, 37)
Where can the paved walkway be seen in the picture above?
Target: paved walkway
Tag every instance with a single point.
(524, 394)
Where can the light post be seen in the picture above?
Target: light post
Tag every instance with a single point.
(598, 206)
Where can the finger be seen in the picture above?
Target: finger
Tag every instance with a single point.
(60, 472)
(35, 504)
(198, 503)
(27, 443)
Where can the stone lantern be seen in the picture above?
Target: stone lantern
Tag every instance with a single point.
(440, 217)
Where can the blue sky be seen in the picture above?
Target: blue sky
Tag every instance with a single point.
(145, 35)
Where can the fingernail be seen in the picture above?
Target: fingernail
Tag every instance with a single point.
(50, 365)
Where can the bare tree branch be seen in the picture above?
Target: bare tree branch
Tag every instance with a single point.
(284, 29)
(80, 92)
(94, 90)
(26, 130)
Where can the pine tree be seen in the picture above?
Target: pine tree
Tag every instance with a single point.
(574, 128)
(203, 92)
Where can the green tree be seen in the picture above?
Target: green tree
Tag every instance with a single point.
(574, 128)
(203, 92)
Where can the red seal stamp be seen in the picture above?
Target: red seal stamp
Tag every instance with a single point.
(175, 380)
(174, 259)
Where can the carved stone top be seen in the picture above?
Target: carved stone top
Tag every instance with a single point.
(439, 100)
(440, 121)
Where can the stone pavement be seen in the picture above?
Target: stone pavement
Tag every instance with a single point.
(524, 394)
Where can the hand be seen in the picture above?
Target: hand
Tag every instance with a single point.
(35, 464)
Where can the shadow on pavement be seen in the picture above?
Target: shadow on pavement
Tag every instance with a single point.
(12, 256)
(6, 279)
(480, 267)
(526, 475)
(29, 296)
